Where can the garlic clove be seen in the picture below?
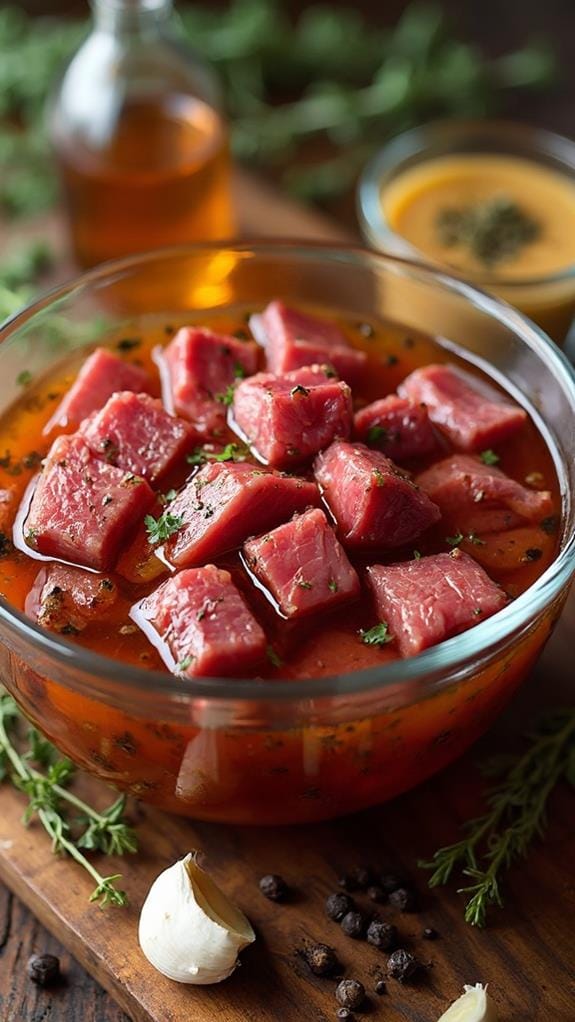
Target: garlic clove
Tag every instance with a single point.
(473, 1006)
(189, 930)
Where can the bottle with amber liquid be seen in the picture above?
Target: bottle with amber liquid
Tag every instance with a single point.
(141, 146)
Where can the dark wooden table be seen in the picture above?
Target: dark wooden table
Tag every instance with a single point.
(497, 26)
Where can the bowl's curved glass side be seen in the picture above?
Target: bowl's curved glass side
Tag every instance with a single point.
(276, 752)
(322, 759)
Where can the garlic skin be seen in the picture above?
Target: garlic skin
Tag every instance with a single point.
(473, 1006)
(189, 930)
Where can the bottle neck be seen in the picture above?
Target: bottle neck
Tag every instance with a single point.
(131, 16)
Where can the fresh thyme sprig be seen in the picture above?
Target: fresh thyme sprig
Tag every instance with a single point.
(50, 801)
(349, 83)
(516, 814)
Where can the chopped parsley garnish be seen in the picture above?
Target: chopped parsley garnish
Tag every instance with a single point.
(332, 586)
(416, 555)
(455, 540)
(183, 664)
(377, 636)
(160, 529)
(273, 657)
(231, 452)
(489, 457)
(471, 537)
(197, 457)
(379, 477)
(375, 434)
(227, 396)
(239, 371)
(24, 378)
(165, 498)
(299, 390)
(304, 584)
(493, 230)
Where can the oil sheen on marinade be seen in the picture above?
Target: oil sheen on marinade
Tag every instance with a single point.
(326, 644)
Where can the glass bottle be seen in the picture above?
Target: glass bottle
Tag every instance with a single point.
(141, 146)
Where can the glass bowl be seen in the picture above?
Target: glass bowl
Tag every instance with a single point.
(269, 752)
(550, 299)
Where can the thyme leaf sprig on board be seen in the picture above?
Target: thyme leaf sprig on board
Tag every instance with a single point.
(516, 814)
(72, 825)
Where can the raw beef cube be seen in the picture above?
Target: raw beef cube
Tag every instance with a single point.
(197, 368)
(83, 509)
(302, 565)
(227, 502)
(65, 599)
(102, 374)
(292, 339)
(373, 502)
(398, 427)
(463, 482)
(201, 625)
(288, 418)
(428, 600)
(134, 432)
(470, 412)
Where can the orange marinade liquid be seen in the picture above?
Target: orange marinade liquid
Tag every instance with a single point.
(162, 178)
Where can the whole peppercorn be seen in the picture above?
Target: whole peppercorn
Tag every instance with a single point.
(274, 887)
(361, 876)
(321, 959)
(390, 882)
(338, 905)
(382, 935)
(376, 893)
(44, 970)
(429, 933)
(404, 899)
(354, 925)
(380, 987)
(402, 965)
(350, 993)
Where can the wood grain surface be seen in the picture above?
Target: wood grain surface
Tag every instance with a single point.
(526, 955)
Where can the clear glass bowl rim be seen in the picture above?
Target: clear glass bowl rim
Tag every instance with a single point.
(448, 657)
(374, 224)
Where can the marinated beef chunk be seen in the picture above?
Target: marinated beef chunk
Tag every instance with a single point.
(202, 624)
(288, 418)
(84, 509)
(102, 374)
(302, 565)
(472, 414)
(463, 483)
(135, 433)
(197, 369)
(373, 502)
(293, 339)
(398, 427)
(225, 503)
(431, 599)
(65, 599)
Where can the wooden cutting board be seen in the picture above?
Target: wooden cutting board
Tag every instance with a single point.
(526, 955)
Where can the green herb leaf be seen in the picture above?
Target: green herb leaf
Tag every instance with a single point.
(273, 657)
(454, 541)
(516, 814)
(489, 457)
(227, 396)
(160, 529)
(375, 434)
(377, 636)
(232, 452)
(24, 379)
(183, 665)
